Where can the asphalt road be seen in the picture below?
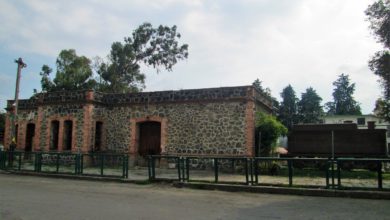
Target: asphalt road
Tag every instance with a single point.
(25, 197)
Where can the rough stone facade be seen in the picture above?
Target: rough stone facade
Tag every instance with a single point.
(215, 121)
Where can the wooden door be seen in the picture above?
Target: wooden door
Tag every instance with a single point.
(149, 138)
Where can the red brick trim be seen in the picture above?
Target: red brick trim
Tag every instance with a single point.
(250, 127)
(61, 120)
(87, 126)
(38, 130)
(134, 135)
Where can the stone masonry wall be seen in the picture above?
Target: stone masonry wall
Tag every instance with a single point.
(192, 128)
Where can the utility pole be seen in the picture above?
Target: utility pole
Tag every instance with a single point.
(21, 65)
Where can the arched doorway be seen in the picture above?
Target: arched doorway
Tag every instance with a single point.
(149, 138)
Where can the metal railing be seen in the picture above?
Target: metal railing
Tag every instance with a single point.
(315, 172)
(338, 173)
(66, 163)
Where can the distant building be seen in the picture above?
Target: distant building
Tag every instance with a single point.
(362, 121)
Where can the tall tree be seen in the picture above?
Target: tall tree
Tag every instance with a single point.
(382, 109)
(309, 107)
(379, 17)
(267, 92)
(288, 107)
(73, 73)
(156, 47)
(343, 101)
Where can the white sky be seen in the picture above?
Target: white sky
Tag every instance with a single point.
(231, 43)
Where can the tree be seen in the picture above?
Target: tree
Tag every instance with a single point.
(73, 73)
(267, 92)
(271, 129)
(288, 107)
(382, 109)
(156, 47)
(309, 107)
(343, 101)
(379, 17)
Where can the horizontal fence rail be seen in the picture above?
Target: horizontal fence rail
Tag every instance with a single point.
(107, 165)
(337, 173)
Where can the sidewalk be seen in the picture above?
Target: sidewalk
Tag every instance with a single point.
(140, 176)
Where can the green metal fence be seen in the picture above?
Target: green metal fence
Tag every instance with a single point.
(108, 165)
(339, 173)
(302, 172)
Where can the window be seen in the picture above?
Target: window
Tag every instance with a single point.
(361, 121)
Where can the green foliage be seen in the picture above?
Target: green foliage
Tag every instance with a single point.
(378, 15)
(156, 47)
(271, 129)
(288, 110)
(382, 109)
(343, 101)
(257, 84)
(73, 73)
(309, 107)
(267, 92)
(380, 65)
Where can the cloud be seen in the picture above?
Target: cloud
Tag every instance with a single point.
(303, 43)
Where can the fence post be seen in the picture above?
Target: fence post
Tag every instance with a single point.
(379, 165)
(179, 168)
(76, 163)
(246, 171)
(327, 173)
(153, 168)
(101, 164)
(81, 163)
(125, 166)
(58, 162)
(216, 169)
(38, 162)
(20, 161)
(256, 171)
(188, 169)
(183, 169)
(251, 169)
(150, 167)
(338, 173)
(290, 172)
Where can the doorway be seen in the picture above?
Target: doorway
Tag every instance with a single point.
(149, 138)
(30, 132)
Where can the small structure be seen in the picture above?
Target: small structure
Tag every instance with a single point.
(213, 121)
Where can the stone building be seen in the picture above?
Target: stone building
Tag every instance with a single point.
(213, 121)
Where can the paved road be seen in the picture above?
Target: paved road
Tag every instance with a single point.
(24, 197)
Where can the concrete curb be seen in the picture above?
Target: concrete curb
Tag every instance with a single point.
(361, 194)
(75, 177)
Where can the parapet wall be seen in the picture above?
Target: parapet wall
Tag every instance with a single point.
(174, 96)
